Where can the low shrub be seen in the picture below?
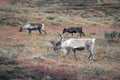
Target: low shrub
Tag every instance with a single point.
(112, 35)
(57, 23)
(97, 69)
(50, 18)
(3, 51)
(12, 24)
(10, 69)
(50, 11)
(7, 8)
(14, 55)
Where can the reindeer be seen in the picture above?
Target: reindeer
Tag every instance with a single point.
(33, 26)
(74, 30)
(74, 45)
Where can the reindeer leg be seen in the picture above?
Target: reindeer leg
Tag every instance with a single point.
(30, 32)
(90, 57)
(44, 32)
(39, 31)
(83, 33)
(68, 51)
(91, 54)
(75, 54)
(80, 34)
(72, 34)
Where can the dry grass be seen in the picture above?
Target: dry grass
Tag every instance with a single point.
(33, 48)
(32, 58)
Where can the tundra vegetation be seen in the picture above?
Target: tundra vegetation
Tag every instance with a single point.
(25, 57)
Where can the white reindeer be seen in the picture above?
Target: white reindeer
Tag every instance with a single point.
(74, 45)
(33, 26)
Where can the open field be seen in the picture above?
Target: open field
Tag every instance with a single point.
(29, 49)
(30, 57)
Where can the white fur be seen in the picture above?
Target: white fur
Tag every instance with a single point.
(26, 26)
(77, 43)
(42, 27)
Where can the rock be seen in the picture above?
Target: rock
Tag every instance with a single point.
(46, 78)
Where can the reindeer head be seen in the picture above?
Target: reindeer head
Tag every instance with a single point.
(64, 30)
(21, 28)
(57, 44)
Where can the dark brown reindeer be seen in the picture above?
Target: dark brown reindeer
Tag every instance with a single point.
(74, 30)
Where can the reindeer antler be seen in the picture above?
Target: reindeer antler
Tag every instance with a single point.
(59, 36)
